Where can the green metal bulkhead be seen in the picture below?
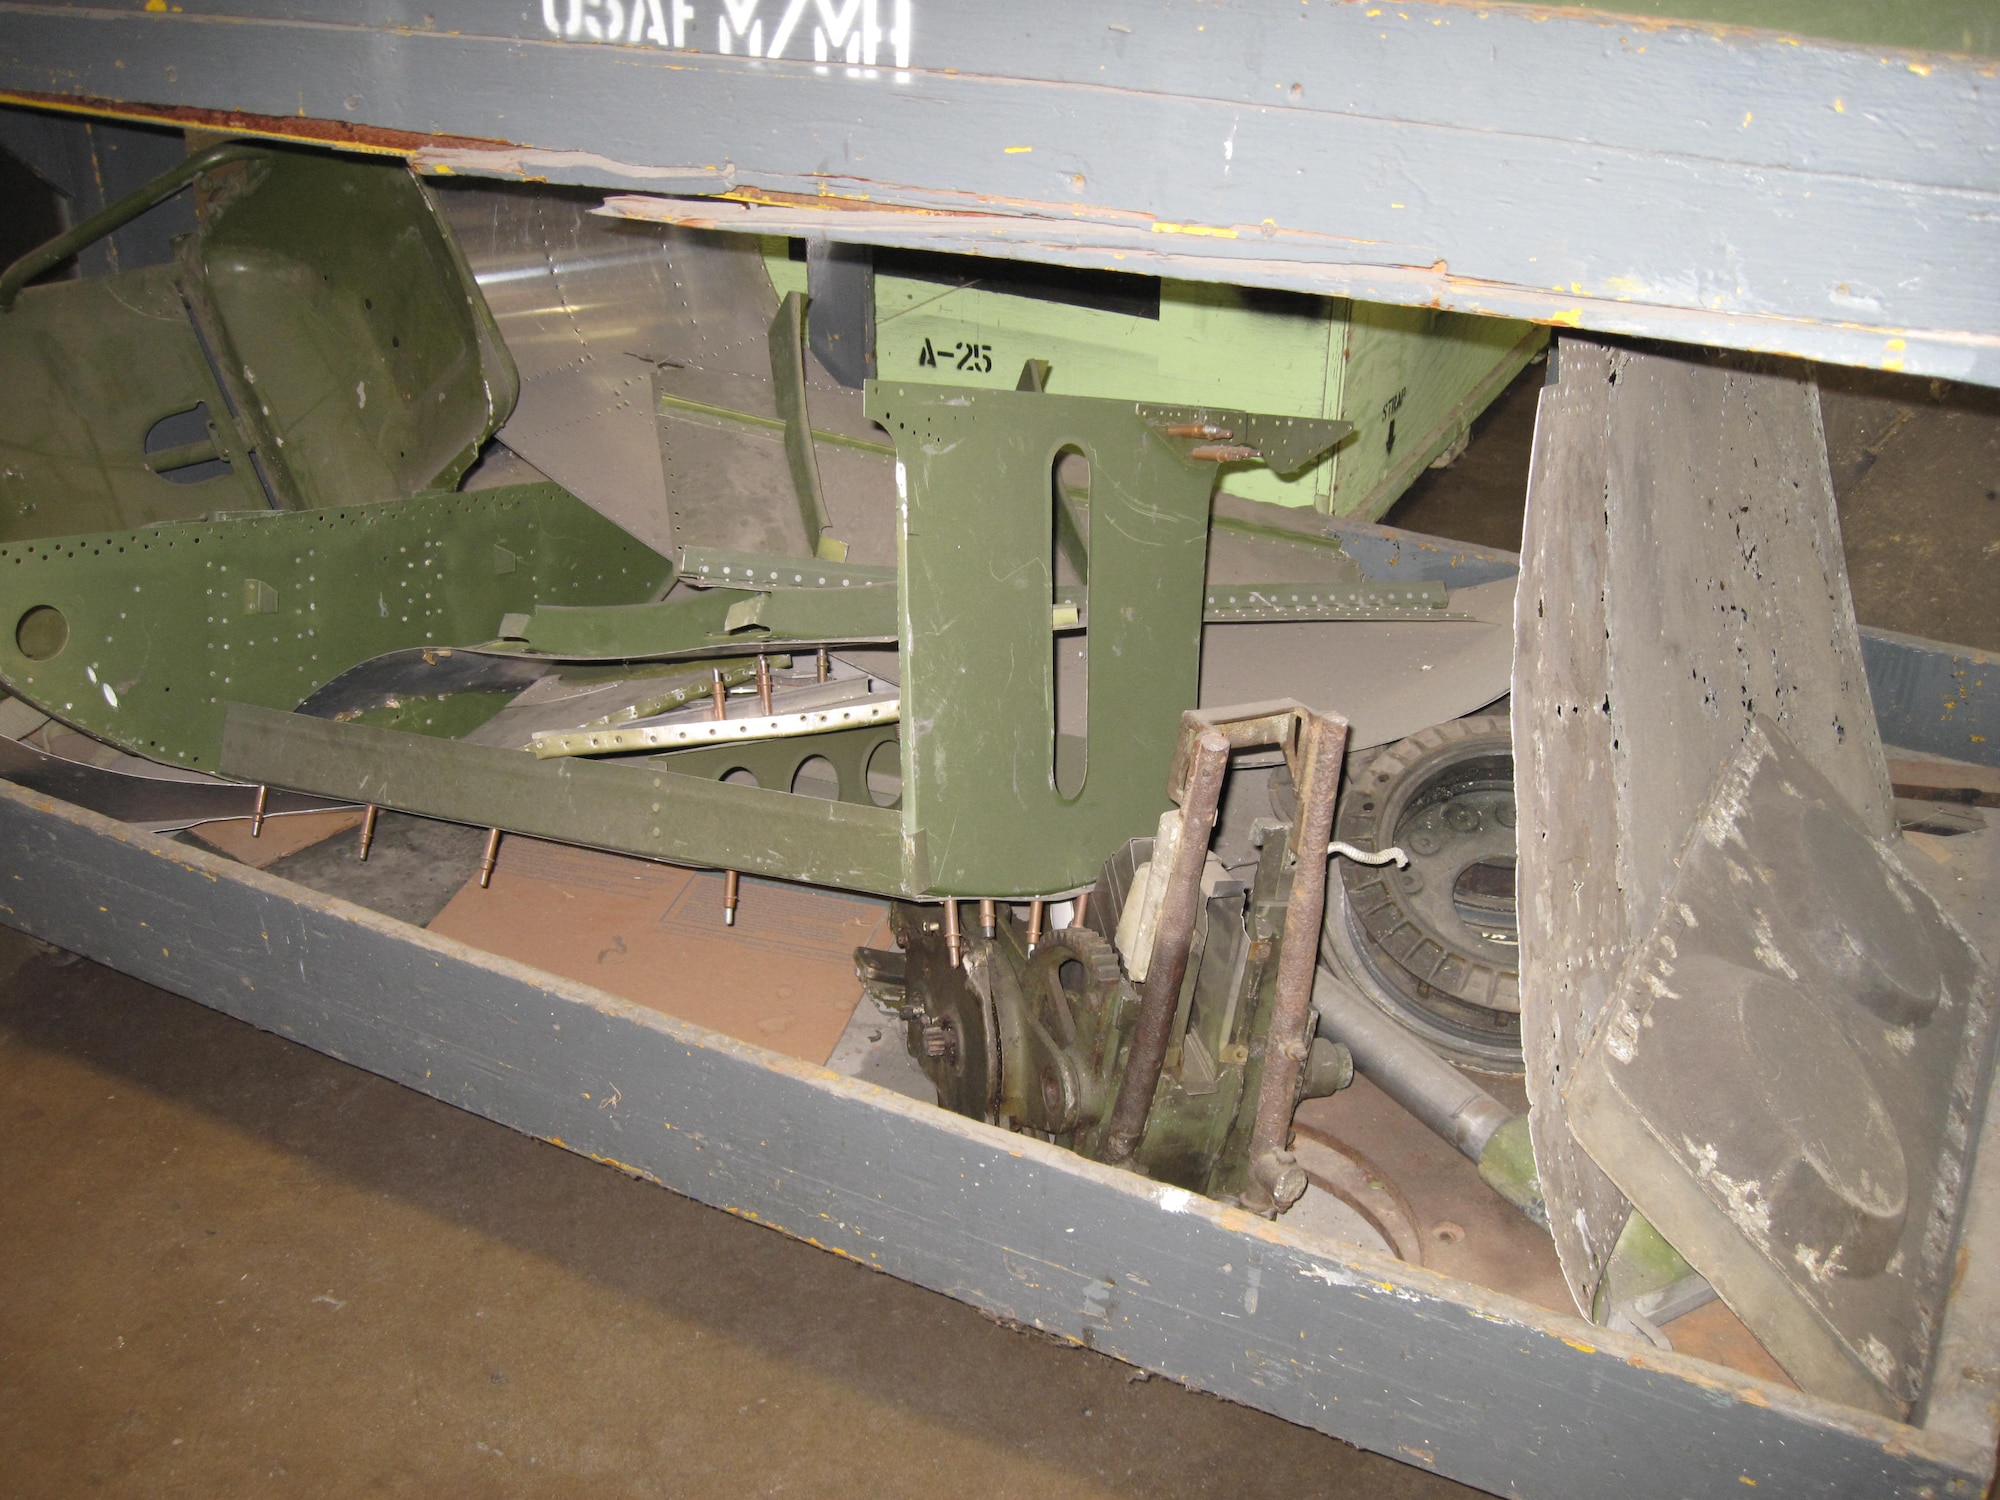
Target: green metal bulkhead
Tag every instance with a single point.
(319, 341)
(143, 638)
(1000, 796)
(332, 368)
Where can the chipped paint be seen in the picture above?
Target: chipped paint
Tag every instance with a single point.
(1438, 1308)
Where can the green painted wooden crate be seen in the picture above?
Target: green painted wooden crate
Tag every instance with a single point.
(1411, 380)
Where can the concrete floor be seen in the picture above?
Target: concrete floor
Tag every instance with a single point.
(235, 1267)
(232, 1266)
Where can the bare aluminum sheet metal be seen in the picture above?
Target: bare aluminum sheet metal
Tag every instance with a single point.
(1394, 676)
(1681, 575)
(586, 308)
(1388, 678)
(641, 350)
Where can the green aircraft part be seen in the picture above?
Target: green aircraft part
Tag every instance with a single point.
(1411, 379)
(1008, 803)
(318, 341)
(634, 807)
(694, 624)
(860, 766)
(142, 638)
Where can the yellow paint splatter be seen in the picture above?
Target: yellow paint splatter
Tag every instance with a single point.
(1746, 1479)
(156, 5)
(1580, 1346)
(1162, 227)
(1018, 150)
(1922, 70)
(1747, 118)
(1840, 106)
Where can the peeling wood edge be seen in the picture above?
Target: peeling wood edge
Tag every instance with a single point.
(1171, 1337)
(341, 134)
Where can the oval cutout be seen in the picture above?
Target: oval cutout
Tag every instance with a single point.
(1069, 578)
(884, 774)
(181, 447)
(42, 633)
(816, 777)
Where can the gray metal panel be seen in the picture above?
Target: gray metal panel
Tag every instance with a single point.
(1475, 1385)
(1694, 182)
(1934, 697)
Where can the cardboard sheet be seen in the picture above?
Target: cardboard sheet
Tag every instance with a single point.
(782, 977)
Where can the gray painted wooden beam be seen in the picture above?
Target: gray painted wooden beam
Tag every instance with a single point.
(1700, 183)
(1476, 1385)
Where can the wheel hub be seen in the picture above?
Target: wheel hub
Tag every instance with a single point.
(1435, 943)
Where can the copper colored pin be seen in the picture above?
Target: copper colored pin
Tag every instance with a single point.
(731, 888)
(721, 694)
(1082, 910)
(823, 668)
(988, 918)
(257, 813)
(764, 685)
(953, 945)
(490, 858)
(1198, 430)
(1034, 923)
(368, 828)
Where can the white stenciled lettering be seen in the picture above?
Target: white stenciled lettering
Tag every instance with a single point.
(628, 21)
(739, 22)
(850, 29)
(857, 33)
(789, 23)
(899, 34)
(649, 23)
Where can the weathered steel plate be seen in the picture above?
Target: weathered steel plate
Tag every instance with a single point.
(1789, 1076)
(1681, 575)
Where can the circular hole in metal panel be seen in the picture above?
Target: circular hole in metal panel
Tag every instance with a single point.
(816, 777)
(884, 775)
(42, 633)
